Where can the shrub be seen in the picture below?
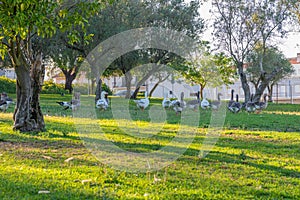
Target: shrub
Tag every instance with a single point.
(7, 85)
(83, 88)
(50, 87)
(106, 88)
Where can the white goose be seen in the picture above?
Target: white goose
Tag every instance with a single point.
(5, 101)
(65, 104)
(142, 103)
(73, 104)
(166, 103)
(102, 103)
(178, 106)
(205, 104)
(3, 105)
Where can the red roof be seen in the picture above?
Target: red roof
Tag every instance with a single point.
(295, 60)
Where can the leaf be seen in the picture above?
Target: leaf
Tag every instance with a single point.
(69, 159)
(48, 157)
(44, 192)
(86, 181)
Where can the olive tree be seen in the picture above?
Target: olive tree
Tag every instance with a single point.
(24, 23)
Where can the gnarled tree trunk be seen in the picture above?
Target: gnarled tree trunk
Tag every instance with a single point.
(70, 75)
(68, 83)
(244, 82)
(270, 91)
(157, 84)
(128, 79)
(265, 80)
(136, 91)
(28, 115)
(98, 89)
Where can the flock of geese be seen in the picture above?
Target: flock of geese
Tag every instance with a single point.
(250, 106)
(178, 105)
(233, 106)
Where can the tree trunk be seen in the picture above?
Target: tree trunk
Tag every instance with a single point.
(157, 84)
(259, 92)
(93, 83)
(38, 75)
(270, 91)
(98, 90)
(136, 91)
(70, 75)
(154, 88)
(201, 91)
(28, 115)
(69, 80)
(128, 79)
(244, 82)
(264, 84)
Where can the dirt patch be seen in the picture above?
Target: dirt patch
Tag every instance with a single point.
(7, 145)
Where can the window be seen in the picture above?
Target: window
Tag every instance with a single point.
(297, 89)
(282, 91)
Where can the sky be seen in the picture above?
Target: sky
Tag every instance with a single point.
(290, 45)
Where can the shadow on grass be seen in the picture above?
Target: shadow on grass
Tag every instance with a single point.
(239, 159)
(30, 186)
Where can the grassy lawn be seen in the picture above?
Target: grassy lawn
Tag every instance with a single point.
(256, 157)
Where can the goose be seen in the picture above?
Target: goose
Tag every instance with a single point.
(205, 104)
(250, 105)
(166, 103)
(178, 106)
(102, 103)
(231, 99)
(142, 103)
(3, 105)
(235, 107)
(215, 105)
(65, 104)
(194, 104)
(73, 104)
(261, 105)
(8, 100)
(181, 101)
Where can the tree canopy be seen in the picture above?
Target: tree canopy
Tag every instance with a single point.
(274, 62)
(209, 70)
(241, 25)
(23, 21)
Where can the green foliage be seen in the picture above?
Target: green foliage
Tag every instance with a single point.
(207, 69)
(130, 14)
(50, 87)
(7, 85)
(106, 88)
(83, 88)
(273, 60)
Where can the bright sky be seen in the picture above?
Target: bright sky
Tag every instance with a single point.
(290, 45)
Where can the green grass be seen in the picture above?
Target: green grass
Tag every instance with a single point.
(256, 157)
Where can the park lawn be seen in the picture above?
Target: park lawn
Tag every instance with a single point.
(257, 156)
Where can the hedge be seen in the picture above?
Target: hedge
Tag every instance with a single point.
(9, 86)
